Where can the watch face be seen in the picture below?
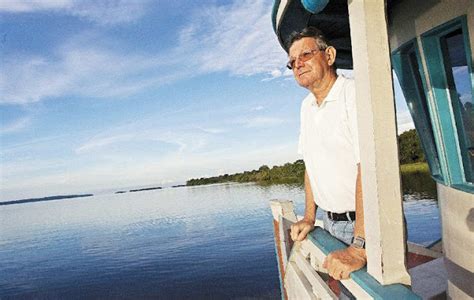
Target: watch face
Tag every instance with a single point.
(359, 242)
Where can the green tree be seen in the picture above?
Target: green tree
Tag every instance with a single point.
(409, 148)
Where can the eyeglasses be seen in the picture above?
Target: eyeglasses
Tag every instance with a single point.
(305, 56)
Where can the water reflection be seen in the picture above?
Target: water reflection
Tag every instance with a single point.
(419, 185)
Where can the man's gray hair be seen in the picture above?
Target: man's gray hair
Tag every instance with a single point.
(311, 32)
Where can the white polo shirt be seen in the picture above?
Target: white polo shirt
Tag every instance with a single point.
(329, 144)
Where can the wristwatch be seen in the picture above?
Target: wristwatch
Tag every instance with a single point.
(358, 242)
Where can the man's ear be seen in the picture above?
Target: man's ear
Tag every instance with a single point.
(330, 55)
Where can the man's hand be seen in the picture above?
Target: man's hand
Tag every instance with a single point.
(342, 263)
(300, 229)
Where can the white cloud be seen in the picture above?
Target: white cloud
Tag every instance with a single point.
(178, 136)
(288, 72)
(31, 145)
(80, 70)
(258, 122)
(109, 12)
(28, 167)
(404, 121)
(182, 139)
(211, 130)
(236, 39)
(465, 98)
(187, 140)
(210, 163)
(101, 12)
(277, 73)
(18, 6)
(15, 126)
(257, 108)
(100, 142)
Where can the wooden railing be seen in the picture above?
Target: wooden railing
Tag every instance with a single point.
(301, 273)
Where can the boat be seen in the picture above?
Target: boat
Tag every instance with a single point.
(427, 44)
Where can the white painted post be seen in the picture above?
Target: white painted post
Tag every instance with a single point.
(282, 210)
(383, 218)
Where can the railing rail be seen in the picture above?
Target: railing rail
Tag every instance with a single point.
(300, 264)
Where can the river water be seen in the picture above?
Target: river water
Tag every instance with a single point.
(199, 242)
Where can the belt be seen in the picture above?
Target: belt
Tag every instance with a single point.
(347, 216)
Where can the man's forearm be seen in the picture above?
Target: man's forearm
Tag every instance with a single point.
(359, 229)
(359, 223)
(310, 206)
(300, 229)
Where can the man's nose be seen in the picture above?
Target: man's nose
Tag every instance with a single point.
(298, 63)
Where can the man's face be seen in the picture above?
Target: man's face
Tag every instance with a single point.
(311, 73)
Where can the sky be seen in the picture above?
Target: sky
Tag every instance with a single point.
(98, 95)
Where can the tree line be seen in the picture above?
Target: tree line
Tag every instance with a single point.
(288, 173)
(410, 151)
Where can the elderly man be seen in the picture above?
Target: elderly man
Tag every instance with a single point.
(329, 145)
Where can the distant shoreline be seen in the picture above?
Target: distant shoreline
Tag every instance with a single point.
(145, 189)
(49, 198)
(139, 190)
(62, 197)
(415, 177)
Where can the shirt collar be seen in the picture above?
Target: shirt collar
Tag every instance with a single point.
(333, 94)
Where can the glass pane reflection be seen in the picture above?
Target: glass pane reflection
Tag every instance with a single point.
(460, 83)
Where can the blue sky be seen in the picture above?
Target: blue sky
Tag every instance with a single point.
(110, 94)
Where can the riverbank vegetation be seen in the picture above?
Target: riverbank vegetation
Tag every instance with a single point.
(288, 173)
(416, 179)
(415, 174)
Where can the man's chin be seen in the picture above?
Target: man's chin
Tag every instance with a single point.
(303, 83)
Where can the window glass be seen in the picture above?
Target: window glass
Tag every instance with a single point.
(405, 62)
(459, 82)
(425, 128)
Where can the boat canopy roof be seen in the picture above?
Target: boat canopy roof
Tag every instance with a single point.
(331, 16)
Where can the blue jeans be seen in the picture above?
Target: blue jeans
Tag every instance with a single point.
(342, 230)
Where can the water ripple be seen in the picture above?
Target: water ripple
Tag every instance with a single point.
(198, 242)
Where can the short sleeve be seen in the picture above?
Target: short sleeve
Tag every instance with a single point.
(352, 117)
